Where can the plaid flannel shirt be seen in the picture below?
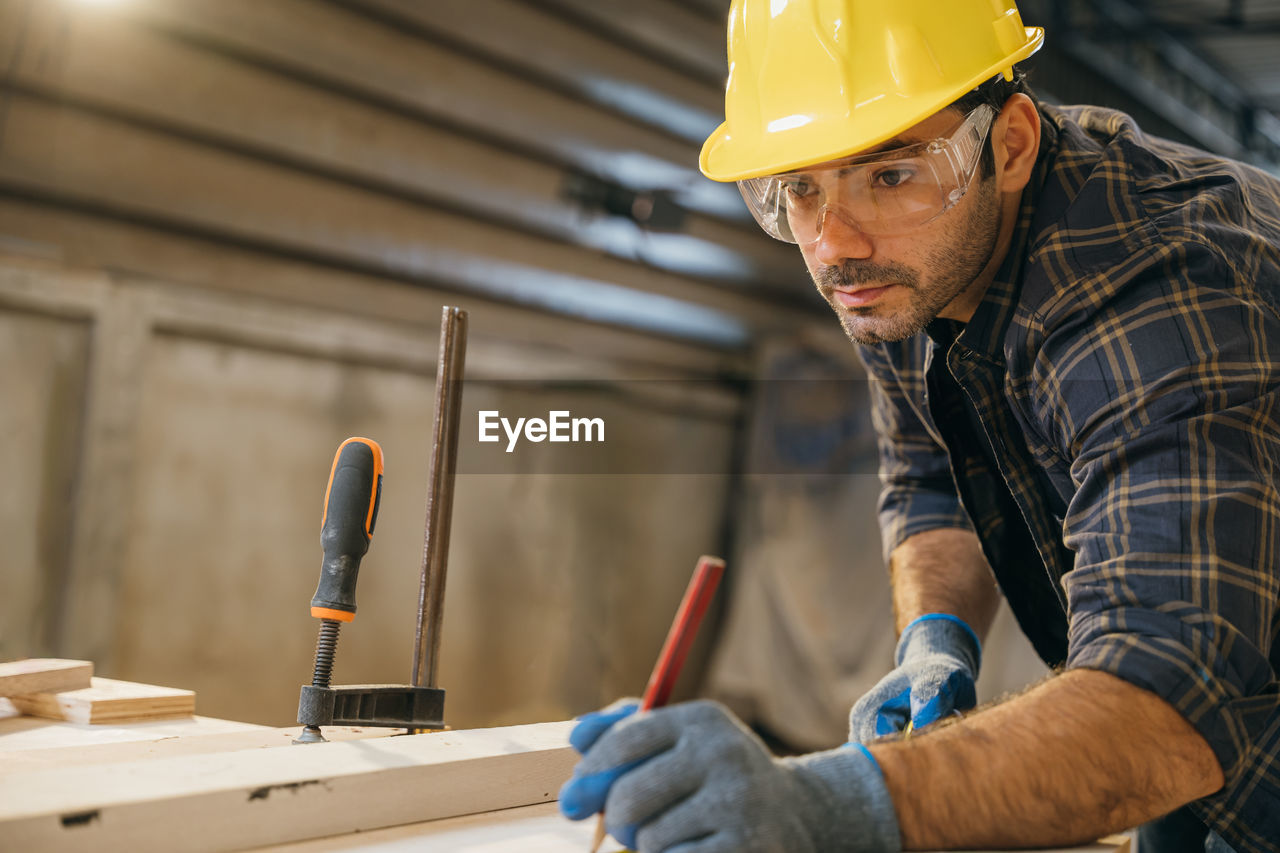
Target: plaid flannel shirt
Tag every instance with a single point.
(1107, 422)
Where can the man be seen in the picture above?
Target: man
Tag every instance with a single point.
(1072, 331)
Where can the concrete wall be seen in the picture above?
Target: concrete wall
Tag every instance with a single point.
(227, 228)
(226, 233)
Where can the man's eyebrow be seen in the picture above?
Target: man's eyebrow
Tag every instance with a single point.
(887, 145)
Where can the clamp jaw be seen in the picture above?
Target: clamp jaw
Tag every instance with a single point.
(351, 509)
(394, 705)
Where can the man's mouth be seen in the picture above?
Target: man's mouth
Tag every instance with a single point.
(859, 298)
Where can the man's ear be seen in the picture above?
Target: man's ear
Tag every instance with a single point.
(1015, 142)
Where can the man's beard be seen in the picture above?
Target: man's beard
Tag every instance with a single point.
(946, 273)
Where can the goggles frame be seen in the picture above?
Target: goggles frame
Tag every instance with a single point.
(950, 161)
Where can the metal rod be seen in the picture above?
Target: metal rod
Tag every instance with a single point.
(444, 459)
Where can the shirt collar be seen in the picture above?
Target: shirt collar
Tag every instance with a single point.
(985, 331)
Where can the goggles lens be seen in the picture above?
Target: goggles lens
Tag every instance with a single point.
(889, 193)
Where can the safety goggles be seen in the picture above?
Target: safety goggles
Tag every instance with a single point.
(892, 192)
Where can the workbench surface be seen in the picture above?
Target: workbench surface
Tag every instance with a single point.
(529, 829)
(202, 784)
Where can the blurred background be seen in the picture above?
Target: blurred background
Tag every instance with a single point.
(228, 228)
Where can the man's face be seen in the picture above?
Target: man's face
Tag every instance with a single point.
(887, 288)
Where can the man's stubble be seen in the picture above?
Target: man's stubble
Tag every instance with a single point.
(948, 271)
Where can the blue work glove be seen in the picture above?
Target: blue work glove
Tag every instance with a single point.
(937, 658)
(691, 778)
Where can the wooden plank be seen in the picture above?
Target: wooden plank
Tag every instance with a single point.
(27, 736)
(149, 174)
(527, 828)
(40, 675)
(215, 736)
(235, 800)
(122, 66)
(109, 700)
(530, 829)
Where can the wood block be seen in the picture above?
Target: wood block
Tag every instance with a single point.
(234, 800)
(190, 736)
(109, 701)
(43, 675)
(23, 733)
(529, 829)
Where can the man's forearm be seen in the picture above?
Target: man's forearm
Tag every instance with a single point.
(943, 571)
(1079, 756)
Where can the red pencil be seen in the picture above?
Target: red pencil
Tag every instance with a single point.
(706, 577)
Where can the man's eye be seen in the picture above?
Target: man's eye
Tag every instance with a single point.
(798, 189)
(893, 178)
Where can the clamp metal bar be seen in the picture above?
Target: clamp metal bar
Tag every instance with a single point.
(444, 458)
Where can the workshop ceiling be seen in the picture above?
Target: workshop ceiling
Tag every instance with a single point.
(1207, 71)
(1240, 37)
(535, 154)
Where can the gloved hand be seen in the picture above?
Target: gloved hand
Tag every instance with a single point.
(938, 656)
(691, 775)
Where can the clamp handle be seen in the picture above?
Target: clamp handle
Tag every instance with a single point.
(350, 511)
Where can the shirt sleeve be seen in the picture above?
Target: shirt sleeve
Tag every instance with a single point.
(1163, 400)
(917, 492)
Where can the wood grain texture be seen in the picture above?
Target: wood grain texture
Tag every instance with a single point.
(529, 829)
(532, 829)
(214, 736)
(247, 798)
(29, 735)
(68, 808)
(109, 700)
(43, 675)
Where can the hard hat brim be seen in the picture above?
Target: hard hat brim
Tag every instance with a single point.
(725, 158)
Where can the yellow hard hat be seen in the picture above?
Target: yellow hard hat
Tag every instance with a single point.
(816, 80)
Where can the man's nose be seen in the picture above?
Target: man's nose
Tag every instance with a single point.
(840, 238)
